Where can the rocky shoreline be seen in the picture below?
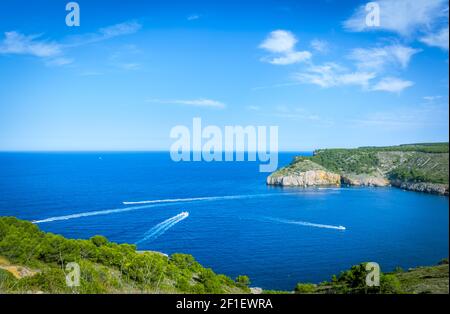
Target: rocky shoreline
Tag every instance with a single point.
(415, 167)
(307, 178)
(426, 187)
(312, 178)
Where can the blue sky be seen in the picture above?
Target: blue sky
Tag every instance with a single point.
(133, 70)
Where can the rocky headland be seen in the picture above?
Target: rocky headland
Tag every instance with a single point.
(415, 167)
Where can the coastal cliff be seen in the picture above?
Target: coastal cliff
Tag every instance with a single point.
(304, 173)
(415, 167)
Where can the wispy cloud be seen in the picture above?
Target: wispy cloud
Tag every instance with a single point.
(253, 108)
(193, 17)
(112, 31)
(432, 99)
(404, 118)
(424, 20)
(121, 58)
(17, 43)
(59, 61)
(281, 45)
(319, 45)
(404, 17)
(439, 39)
(392, 84)
(331, 75)
(377, 59)
(301, 114)
(199, 102)
(129, 66)
(52, 52)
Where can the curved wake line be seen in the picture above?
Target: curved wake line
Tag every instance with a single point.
(148, 204)
(206, 198)
(162, 227)
(155, 203)
(93, 213)
(307, 224)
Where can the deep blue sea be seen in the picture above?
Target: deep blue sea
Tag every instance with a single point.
(233, 222)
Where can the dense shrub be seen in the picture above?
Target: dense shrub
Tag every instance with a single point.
(105, 266)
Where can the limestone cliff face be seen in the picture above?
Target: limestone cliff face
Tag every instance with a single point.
(434, 188)
(306, 178)
(415, 167)
(364, 180)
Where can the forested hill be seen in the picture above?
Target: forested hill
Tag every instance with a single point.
(34, 261)
(420, 167)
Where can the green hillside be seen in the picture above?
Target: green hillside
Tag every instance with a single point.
(412, 163)
(421, 280)
(32, 260)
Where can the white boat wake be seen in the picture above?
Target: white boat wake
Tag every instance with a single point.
(306, 223)
(93, 213)
(208, 198)
(147, 204)
(162, 227)
(155, 203)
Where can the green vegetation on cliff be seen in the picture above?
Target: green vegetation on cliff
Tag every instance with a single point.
(428, 162)
(35, 261)
(430, 279)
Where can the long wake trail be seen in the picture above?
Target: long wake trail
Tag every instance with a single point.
(306, 223)
(92, 213)
(148, 204)
(162, 227)
(207, 198)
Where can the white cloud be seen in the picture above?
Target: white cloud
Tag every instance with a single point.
(332, 74)
(300, 114)
(439, 39)
(279, 41)
(120, 29)
(290, 58)
(378, 58)
(404, 17)
(112, 31)
(392, 84)
(17, 43)
(281, 44)
(404, 118)
(128, 66)
(254, 108)
(59, 61)
(199, 102)
(319, 45)
(431, 99)
(53, 52)
(121, 58)
(193, 17)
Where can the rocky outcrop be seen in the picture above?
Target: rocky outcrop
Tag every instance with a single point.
(416, 167)
(306, 178)
(434, 188)
(364, 180)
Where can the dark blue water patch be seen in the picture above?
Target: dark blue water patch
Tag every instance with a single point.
(277, 236)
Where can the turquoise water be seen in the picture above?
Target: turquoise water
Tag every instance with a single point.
(224, 214)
